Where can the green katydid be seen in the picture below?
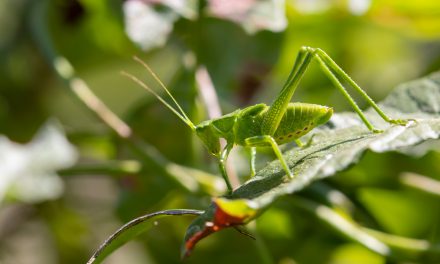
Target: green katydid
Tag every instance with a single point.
(280, 123)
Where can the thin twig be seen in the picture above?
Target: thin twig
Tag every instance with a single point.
(421, 183)
(208, 93)
(66, 72)
(116, 167)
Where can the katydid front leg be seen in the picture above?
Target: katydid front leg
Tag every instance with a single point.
(222, 165)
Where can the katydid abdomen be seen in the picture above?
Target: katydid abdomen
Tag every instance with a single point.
(298, 120)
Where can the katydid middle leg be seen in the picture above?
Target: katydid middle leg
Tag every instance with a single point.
(264, 141)
(253, 154)
(299, 143)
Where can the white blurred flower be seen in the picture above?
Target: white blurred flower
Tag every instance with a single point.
(149, 27)
(356, 7)
(359, 7)
(253, 15)
(145, 26)
(28, 172)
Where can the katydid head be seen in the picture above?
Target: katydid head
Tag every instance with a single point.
(179, 111)
(209, 137)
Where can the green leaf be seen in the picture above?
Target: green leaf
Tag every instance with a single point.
(354, 253)
(416, 213)
(276, 224)
(337, 145)
(131, 230)
(421, 19)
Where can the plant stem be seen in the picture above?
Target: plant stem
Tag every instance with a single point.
(116, 167)
(411, 245)
(421, 183)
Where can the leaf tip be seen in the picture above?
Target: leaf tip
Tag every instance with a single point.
(222, 214)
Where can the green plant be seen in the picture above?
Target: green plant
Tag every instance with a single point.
(335, 147)
(373, 215)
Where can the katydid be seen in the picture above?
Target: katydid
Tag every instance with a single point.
(274, 125)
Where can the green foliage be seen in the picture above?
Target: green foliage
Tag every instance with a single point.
(338, 145)
(247, 51)
(335, 146)
(415, 212)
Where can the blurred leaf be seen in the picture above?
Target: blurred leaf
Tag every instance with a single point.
(275, 224)
(337, 145)
(10, 14)
(103, 24)
(415, 213)
(353, 253)
(131, 230)
(415, 18)
(396, 247)
(28, 172)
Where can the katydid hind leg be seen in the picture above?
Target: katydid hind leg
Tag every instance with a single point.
(318, 54)
(309, 141)
(327, 62)
(347, 96)
(278, 107)
(335, 73)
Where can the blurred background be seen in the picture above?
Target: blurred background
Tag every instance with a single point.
(68, 180)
